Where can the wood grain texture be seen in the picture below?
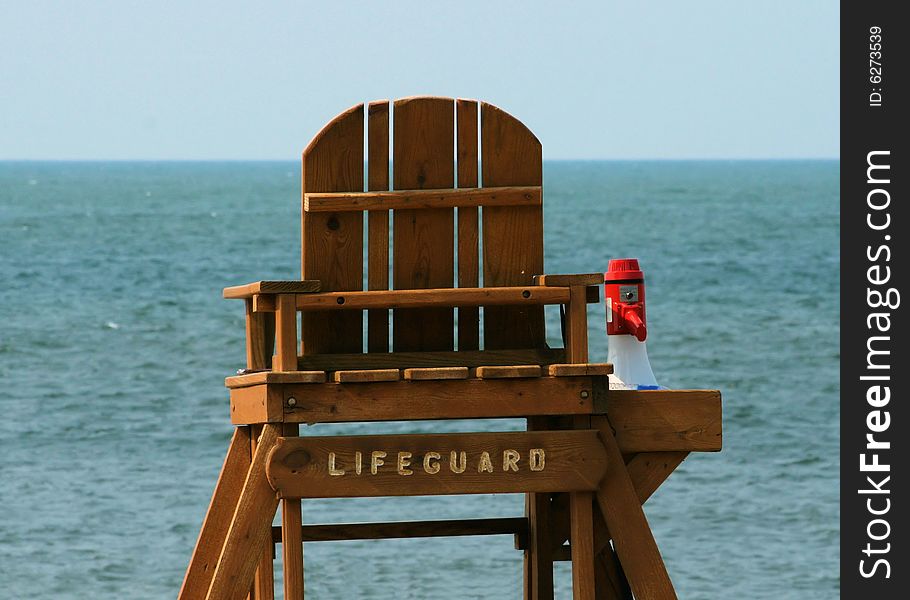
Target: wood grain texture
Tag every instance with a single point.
(250, 379)
(582, 539)
(403, 360)
(250, 529)
(378, 255)
(366, 375)
(260, 338)
(648, 470)
(217, 520)
(423, 199)
(445, 399)
(334, 301)
(557, 280)
(292, 539)
(516, 526)
(507, 372)
(424, 244)
(435, 373)
(256, 405)
(301, 467)
(468, 250)
(632, 537)
(577, 325)
(512, 236)
(538, 557)
(264, 579)
(579, 369)
(332, 244)
(271, 287)
(285, 358)
(665, 420)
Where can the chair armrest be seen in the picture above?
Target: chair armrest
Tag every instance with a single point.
(569, 280)
(272, 287)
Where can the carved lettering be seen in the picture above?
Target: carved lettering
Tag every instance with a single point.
(376, 461)
(538, 459)
(459, 460)
(453, 462)
(334, 472)
(510, 460)
(485, 464)
(431, 462)
(404, 461)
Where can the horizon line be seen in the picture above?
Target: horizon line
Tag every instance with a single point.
(296, 160)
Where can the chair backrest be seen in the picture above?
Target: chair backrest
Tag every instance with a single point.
(435, 144)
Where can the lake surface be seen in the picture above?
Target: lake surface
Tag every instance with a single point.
(114, 343)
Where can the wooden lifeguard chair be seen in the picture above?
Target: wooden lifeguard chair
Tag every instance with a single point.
(590, 456)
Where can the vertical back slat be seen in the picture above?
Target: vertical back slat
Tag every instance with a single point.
(513, 235)
(378, 245)
(468, 259)
(423, 142)
(332, 245)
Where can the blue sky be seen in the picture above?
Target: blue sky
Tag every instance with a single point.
(594, 80)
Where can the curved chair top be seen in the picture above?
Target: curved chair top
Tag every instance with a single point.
(461, 147)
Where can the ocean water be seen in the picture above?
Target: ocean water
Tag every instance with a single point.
(114, 342)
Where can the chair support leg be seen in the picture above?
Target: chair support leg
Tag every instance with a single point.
(291, 538)
(250, 530)
(218, 517)
(632, 537)
(264, 580)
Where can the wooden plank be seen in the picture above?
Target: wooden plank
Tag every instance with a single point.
(434, 373)
(332, 244)
(256, 405)
(452, 399)
(250, 530)
(579, 369)
(424, 244)
(648, 470)
(538, 558)
(507, 372)
(434, 464)
(260, 338)
(468, 253)
(665, 420)
(250, 379)
(366, 375)
(404, 360)
(272, 287)
(585, 279)
(285, 334)
(582, 538)
(628, 525)
(329, 301)
(291, 539)
(512, 235)
(378, 255)
(218, 517)
(423, 199)
(264, 579)
(517, 526)
(577, 326)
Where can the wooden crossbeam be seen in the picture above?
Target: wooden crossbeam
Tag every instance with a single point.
(416, 199)
(412, 400)
(517, 526)
(434, 464)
